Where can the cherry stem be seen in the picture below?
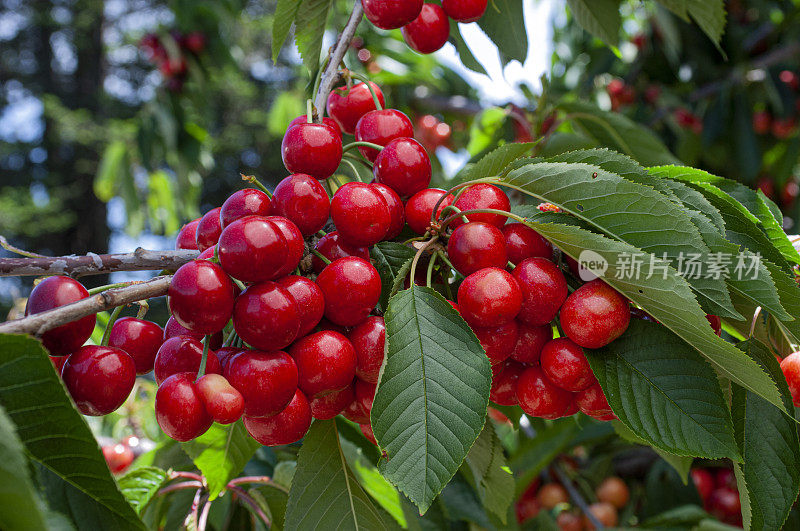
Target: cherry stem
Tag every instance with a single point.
(239, 283)
(447, 261)
(230, 339)
(353, 145)
(431, 264)
(16, 250)
(320, 256)
(416, 257)
(258, 184)
(180, 486)
(454, 209)
(175, 474)
(753, 322)
(321, 233)
(450, 270)
(202, 370)
(353, 169)
(459, 187)
(309, 111)
(240, 492)
(450, 219)
(335, 179)
(203, 520)
(365, 79)
(100, 289)
(110, 325)
(575, 495)
(144, 306)
(355, 158)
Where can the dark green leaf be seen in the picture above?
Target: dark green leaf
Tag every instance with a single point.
(599, 17)
(535, 453)
(710, 16)
(492, 478)
(504, 24)
(273, 498)
(140, 485)
(312, 16)
(679, 516)
(676, 6)
(389, 259)
(285, 13)
(681, 464)
(464, 53)
(460, 503)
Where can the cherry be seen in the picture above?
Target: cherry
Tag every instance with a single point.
(295, 246)
(544, 290)
(605, 513)
(567, 521)
(429, 31)
(99, 379)
(725, 477)
(208, 230)
(118, 457)
(369, 342)
(762, 122)
(592, 401)
(355, 412)
(173, 329)
(222, 401)
(483, 196)
(361, 214)
(309, 299)
(179, 409)
(347, 106)
(303, 119)
(477, 245)
(53, 292)
(489, 297)
(724, 503)
(302, 200)
(266, 380)
(703, 482)
(552, 494)
(539, 397)
(314, 149)
(182, 354)
(288, 426)
(498, 341)
(391, 14)
(530, 342)
(187, 236)
(243, 203)
(791, 370)
(595, 314)
(58, 362)
(325, 324)
(716, 323)
(404, 166)
(420, 206)
(332, 247)
(201, 297)
(139, 339)
(224, 355)
(365, 395)
(352, 288)
(381, 127)
(326, 361)
(523, 242)
(195, 42)
(329, 405)
(565, 364)
(504, 383)
(253, 249)
(397, 213)
(464, 11)
(527, 508)
(614, 491)
(266, 316)
(366, 429)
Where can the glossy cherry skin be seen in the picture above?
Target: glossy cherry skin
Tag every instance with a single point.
(187, 236)
(592, 401)
(140, 339)
(477, 245)
(397, 212)
(361, 214)
(544, 290)
(355, 412)
(222, 401)
(365, 395)
(310, 301)
(420, 206)
(243, 203)
(174, 329)
(391, 14)
(530, 342)
(332, 247)
(404, 166)
(614, 491)
(303, 201)
(303, 119)
(53, 292)
(314, 149)
(326, 361)
(329, 405)
(703, 482)
(369, 341)
(381, 127)
(58, 363)
(288, 426)
(352, 288)
(99, 379)
(295, 246)
(716, 323)
(266, 380)
(565, 364)
(182, 354)
(366, 429)
(523, 242)
(266, 316)
(791, 370)
(429, 31)
(347, 107)
(595, 314)
(483, 196)
(539, 397)
(118, 457)
(224, 355)
(724, 503)
(208, 230)
(504, 383)
(489, 297)
(465, 11)
(498, 341)
(253, 249)
(179, 409)
(201, 297)
(725, 477)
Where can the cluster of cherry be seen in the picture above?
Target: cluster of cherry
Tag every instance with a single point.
(719, 493)
(169, 54)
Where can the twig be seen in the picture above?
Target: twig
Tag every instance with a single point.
(575, 495)
(240, 492)
(16, 250)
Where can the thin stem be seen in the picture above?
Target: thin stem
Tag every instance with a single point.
(419, 253)
(144, 306)
(754, 321)
(203, 520)
(309, 111)
(16, 250)
(355, 158)
(575, 495)
(366, 80)
(239, 283)
(230, 339)
(202, 370)
(258, 184)
(448, 289)
(458, 187)
(175, 474)
(110, 325)
(447, 261)
(328, 188)
(320, 256)
(251, 502)
(455, 209)
(431, 264)
(353, 169)
(450, 219)
(180, 486)
(353, 145)
(321, 233)
(100, 289)
(335, 179)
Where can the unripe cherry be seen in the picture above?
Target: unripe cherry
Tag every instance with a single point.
(791, 370)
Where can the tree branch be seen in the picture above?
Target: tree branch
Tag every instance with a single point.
(330, 76)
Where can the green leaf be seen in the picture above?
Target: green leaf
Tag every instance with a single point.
(433, 394)
(710, 16)
(389, 259)
(677, 517)
(486, 130)
(681, 464)
(599, 17)
(464, 53)
(676, 6)
(110, 165)
(221, 453)
(54, 433)
(504, 24)
(324, 493)
(285, 13)
(492, 478)
(769, 443)
(139, 486)
(535, 453)
(273, 499)
(496, 161)
(312, 17)
(461, 504)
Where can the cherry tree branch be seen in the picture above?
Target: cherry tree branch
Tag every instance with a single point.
(330, 76)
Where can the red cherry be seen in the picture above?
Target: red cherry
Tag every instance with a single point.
(302, 200)
(295, 246)
(224, 355)
(369, 341)
(783, 128)
(539, 397)
(489, 297)
(404, 166)
(326, 361)
(332, 247)
(352, 288)
(791, 370)
(523, 242)
(381, 127)
(365, 395)
(355, 412)
(703, 482)
(327, 406)
(182, 354)
(309, 299)
(325, 324)
(429, 31)
(99, 379)
(139, 339)
(208, 230)
(544, 290)
(174, 329)
(762, 122)
(498, 341)
(565, 364)
(303, 119)
(725, 477)
(724, 503)
(186, 236)
(222, 401)
(483, 196)
(201, 297)
(397, 213)
(594, 315)
(246, 202)
(253, 249)
(266, 316)
(465, 11)
(420, 206)
(475, 246)
(716, 323)
(179, 409)
(288, 426)
(58, 363)
(118, 457)
(504, 383)
(195, 42)
(53, 292)
(360, 214)
(366, 429)
(530, 342)
(347, 106)
(592, 401)
(391, 14)
(266, 380)
(314, 149)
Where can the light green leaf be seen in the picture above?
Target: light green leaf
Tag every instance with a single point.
(504, 24)
(493, 480)
(285, 13)
(105, 182)
(601, 18)
(389, 259)
(376, 485)
(140, 485)
(496, 161)
(485, 130)
(312, 17)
